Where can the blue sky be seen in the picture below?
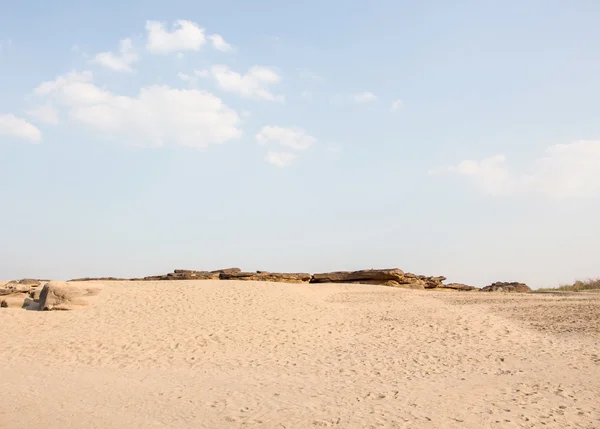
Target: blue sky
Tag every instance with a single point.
(444, 138)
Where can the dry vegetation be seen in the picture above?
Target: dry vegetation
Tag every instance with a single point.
(578, 286)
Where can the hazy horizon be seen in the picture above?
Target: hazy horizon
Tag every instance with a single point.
(442, 139)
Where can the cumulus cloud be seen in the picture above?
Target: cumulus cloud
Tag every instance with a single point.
(45, 113)
(280, 159)
(12, 126)
(158, 115)
(192, 79)
(364, 97)
(120, 61)
(185, 77)
(294, 138)
(219, 43)
(185, 36)
(563, 171)
(253, 84)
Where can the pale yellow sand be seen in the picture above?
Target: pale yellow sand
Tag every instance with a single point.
(216, 354)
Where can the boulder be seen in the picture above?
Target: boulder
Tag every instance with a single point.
(265, 276)
(13, 301)
(64, 296)
(513, 287)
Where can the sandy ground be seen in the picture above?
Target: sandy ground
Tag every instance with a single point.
(217, 354)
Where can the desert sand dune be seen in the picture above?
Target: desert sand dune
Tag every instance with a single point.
(230, 354)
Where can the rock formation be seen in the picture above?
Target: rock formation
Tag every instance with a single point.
(458, 286)
(386, 277)
(64, 296)
(19, 286)
(266, 276)
(507, 287)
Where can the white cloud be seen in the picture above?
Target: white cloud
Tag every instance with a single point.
(294, 138)
(192, 80)
(567, 170)
(397, 105)
(118, 62)
(185, 36)
(219, 43)
(564, 171)
(158, 115)
(280, 159)
(364, 97)
(254, 84)
(45, 113)
(12, 126)
(490, 174)
(185, 77)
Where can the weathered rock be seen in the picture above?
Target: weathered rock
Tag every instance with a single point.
(385, 277)
(514, 287)
(356, 276)
(265, 276)
(193, 275)
(35, 293)
(227, 271)
(13, 301)
(29, 282)
(458, 286)
(91, 279)
(184, 275)
(64, 296)
(18, 286)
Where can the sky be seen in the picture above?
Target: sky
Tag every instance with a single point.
(442, 138)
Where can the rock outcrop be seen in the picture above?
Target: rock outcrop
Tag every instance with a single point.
(192, 275)
(19, 286)
(185, 275)
(458, 286)
(64, 296)
(386, 277)
(513, 287)
(266, 276)
(228, 271)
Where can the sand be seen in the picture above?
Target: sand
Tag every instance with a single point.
(220, 354)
